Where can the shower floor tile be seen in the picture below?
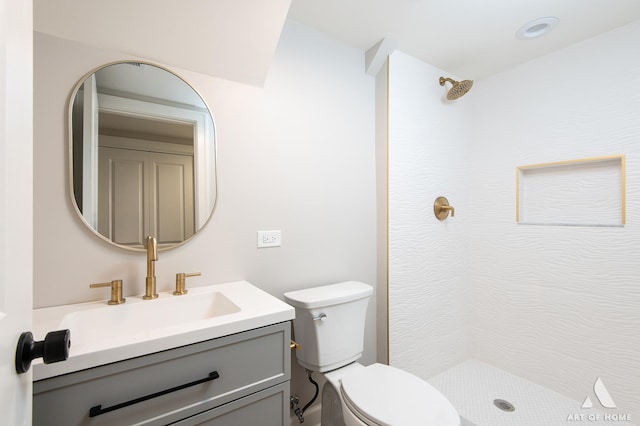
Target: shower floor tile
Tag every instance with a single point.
(472, 385)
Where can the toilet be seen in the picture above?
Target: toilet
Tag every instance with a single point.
(329, 327)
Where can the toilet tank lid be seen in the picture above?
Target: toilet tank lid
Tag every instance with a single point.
(327, 295)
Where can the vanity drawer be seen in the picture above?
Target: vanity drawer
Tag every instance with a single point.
(269, 407)
(244, 363)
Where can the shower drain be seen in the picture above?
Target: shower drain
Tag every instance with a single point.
(503, 405)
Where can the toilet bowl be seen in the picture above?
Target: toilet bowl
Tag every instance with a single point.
(381, 395)
(329, 326)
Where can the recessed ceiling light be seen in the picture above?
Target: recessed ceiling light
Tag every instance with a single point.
(536, 28)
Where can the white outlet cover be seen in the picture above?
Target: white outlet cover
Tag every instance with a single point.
(269, 238)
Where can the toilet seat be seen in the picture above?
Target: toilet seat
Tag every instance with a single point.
(381, 395)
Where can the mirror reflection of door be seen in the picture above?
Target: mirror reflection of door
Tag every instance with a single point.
(145, 176)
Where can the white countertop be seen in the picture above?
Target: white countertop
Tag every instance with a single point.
(257, 309)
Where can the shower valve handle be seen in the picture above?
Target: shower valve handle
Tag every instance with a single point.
(449, 208)
(441, 208)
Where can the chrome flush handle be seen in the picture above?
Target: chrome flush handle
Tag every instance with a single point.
(320, 317)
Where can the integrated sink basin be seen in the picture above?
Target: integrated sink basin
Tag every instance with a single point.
(102, 333)
(139, 319)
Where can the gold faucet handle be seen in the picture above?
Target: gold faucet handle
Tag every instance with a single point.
(181, 279)
(116, 291)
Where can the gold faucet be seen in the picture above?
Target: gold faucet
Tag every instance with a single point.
(152, 256)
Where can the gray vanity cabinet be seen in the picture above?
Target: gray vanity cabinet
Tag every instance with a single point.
(240, 379)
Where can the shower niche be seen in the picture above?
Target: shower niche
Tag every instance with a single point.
(584, 192)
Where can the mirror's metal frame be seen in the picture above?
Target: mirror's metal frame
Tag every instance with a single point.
(69, 129)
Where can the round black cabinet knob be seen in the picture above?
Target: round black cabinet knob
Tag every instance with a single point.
(54, 348)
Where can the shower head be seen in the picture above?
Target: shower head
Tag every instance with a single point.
(458, 89)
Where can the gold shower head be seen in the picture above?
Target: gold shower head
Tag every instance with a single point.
(459, 88)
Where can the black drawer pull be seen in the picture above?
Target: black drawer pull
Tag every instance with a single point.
(97, 410)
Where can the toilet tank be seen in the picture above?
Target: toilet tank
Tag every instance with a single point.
(329, 324)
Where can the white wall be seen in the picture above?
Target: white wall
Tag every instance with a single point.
(429, 289)
(297, 155)
(558, 305)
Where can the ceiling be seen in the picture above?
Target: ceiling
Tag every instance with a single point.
(467, 38)
(236, 39)
(230, 39)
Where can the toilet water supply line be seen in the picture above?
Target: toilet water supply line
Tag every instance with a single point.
(294, 399)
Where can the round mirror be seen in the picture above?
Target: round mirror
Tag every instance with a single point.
(141, 155)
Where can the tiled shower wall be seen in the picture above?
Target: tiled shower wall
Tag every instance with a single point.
(429, 288)
(558, 305)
